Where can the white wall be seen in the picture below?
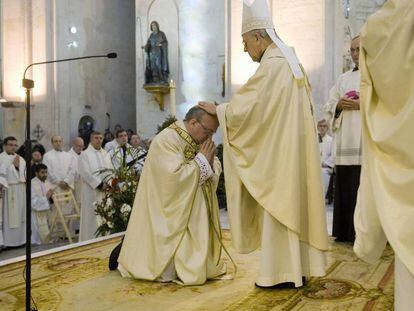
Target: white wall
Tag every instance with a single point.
(360, 10)
(38, 30)
(302, 24)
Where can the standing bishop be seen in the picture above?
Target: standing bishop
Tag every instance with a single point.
(271, 160)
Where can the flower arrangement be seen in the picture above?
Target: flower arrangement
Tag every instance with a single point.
(114, 209)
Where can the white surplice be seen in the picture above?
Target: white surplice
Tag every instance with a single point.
(40, 211)
(14, 201)
(59, 167)
(111, 145)
(91, 161)
(77, 178)
(3, 172)
(346, 127)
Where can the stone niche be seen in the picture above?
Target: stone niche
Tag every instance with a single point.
(195, 30)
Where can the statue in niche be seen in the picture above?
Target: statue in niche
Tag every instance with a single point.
(157, 69)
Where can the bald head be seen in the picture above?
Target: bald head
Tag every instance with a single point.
(57, 142)
(78, 145)
(200, 124)
(194, 113)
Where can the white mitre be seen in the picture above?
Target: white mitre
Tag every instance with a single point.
(256, 15)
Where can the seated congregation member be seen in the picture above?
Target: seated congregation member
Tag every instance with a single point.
(42, 191)
(170, 235)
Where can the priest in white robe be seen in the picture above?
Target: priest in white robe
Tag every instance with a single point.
(344, 117)
(271, 160)
(42, 192)
(92, 160)
(385, 208)
(174, 230)
(59, 164)
(110, 145)
(75, 152)
(124, 155)
(12, 182)
(3, 172)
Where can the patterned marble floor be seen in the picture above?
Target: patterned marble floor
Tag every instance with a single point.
(78, 279)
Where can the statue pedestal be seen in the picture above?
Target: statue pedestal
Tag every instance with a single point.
(158, 91)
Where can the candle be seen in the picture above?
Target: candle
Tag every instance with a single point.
(173, 108)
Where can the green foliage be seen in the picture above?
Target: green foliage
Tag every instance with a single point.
(167, 122)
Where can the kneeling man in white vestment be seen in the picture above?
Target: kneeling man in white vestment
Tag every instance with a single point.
(174, 231)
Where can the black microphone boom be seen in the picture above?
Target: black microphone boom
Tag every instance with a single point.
(109, 55)
(29, 84)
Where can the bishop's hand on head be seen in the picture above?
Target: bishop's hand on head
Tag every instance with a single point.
(208, 107)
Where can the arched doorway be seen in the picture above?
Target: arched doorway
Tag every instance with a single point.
(85, 128)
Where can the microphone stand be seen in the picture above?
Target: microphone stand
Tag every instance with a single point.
(28, 84)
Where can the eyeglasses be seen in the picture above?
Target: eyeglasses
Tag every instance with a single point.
(354, 50)
(209, 131)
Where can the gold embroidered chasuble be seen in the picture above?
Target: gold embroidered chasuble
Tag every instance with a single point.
(172, 216)
(271, 156)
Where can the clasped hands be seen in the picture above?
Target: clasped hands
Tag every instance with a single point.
(16, 161)
(208, 149)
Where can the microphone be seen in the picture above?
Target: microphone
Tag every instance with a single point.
(109, 55)
(29, 84)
